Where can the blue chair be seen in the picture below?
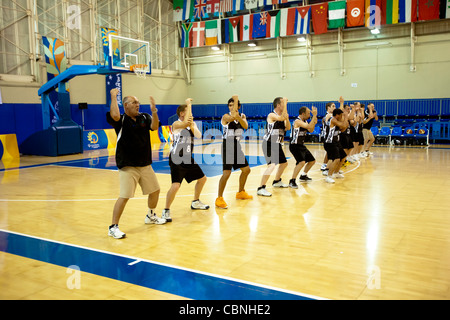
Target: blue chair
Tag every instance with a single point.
(384, 136)
(374, 131)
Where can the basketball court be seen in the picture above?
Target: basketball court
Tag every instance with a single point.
(379, 233)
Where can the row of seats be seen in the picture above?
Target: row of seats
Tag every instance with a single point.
(406, 108)
(435, 130)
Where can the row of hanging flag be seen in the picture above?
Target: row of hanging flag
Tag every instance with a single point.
(298, 20)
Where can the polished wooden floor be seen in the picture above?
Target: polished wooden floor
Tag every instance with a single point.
(382, 232)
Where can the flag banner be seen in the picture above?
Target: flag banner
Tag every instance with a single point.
(198, 34)
(186, 37)
(226, 5)
(259, 25)
(319, 17)
(199, 9)
(407, 11)
(178, 10)
(238, 5)
(273, 24)
(188, 9)
(251, 4)
(429, 9)
(389, 11)
(212, 6)
(232, 29)
(212, 32)
(373, 13)
(355, 13)
(246, 27)
(336, 14)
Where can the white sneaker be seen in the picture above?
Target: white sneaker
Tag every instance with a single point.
(329, 179)
(323, 167)
(198, 205)
(153, 219)
(116, 233)
(166, 215)
(263, 192)
(325, 173)
(338, 176)
(279, 184)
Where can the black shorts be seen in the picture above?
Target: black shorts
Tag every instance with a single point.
(353, 134)
(334, 151)
(273, 152)
(232, 155)
(346, 141)
(301, 153)
(360, 137)
(189, 172)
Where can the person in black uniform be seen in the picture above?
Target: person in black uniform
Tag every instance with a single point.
(346, 138)
(182, 163)
(277, 124)
(133, 157)
(335, 152)
(234, 124)
(369, 116)
(298, 149)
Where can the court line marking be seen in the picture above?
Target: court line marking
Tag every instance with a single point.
(136, 260)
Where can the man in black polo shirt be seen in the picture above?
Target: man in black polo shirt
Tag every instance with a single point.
(369, 116)
(133, 157)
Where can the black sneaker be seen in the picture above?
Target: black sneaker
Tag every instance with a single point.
(304, 178)
(292, 184)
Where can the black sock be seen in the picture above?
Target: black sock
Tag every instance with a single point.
(113, 225)
(262, 187)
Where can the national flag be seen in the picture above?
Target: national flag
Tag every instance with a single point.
(287, 21)
(319, 17)
(212, 32)
(407, 11)
(231, 29)
(251, 4)
(273, 24)
(389, 11)
(355, 13)
(428, 9)
(373, 13)
(199, 9)
(246, 27)
(302, 20)
(238, 5)
(178, 10)
(212, 6)
(226, 5)
(186, 36)
(198, 34)
(447, 11)
(188, 9)
(259, 25)
(336, 14)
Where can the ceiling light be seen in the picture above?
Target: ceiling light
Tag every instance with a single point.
(301, 39)
(215, 48)
(251, 44)
(378, 44)
(375, 31)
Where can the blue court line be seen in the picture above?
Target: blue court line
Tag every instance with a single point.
(171, 279)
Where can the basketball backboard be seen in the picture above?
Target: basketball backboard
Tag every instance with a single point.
(126, 52)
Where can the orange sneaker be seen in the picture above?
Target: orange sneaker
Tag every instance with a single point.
(242, 195)
(221, 203)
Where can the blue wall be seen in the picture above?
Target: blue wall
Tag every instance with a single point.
(25, 119)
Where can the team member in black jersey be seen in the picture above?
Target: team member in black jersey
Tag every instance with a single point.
(335, 153)
(345, 136)
(298, 149)
(234, 124)
(369, 116)
(181, 161)
(277, 124)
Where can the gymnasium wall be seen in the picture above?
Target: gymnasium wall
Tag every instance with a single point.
(371, 73)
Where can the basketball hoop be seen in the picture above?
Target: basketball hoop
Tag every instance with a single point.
(140, 70)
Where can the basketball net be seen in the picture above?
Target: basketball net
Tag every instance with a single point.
(140, 70)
